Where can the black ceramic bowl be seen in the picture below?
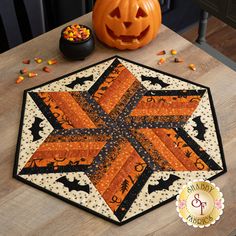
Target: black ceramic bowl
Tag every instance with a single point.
(77, 50)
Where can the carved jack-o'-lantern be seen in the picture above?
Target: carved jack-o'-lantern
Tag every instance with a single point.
(126, 24)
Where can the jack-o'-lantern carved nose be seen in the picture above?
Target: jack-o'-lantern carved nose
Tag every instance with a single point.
(127, 24)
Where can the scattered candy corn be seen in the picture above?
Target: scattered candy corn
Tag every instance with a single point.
(76, 33)
(19, 79)
(32, 74)
(52, 62)
(46, 69)
(163, 52)
(178, 60)
(23, 71)
(161, 61)
(27, 61)
(38, 60)
(192, 67)
(173, 52)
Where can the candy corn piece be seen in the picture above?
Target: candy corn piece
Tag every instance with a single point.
(52, 62)
(163, 52)
(27, 61)
(38, 60)
(178, 60)
(173, 52)
(32, 74)
(46, 69)
(161, 61)
(19, 79)
(192, 67)
(23, 71)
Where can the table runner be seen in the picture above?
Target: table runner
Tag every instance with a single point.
(117, 138)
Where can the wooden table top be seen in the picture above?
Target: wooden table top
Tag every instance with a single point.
(28, 211)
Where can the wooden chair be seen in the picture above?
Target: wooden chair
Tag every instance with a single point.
(225, 11)
(11, 12)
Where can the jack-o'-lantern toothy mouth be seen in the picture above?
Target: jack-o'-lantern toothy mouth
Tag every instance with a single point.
(127, 38)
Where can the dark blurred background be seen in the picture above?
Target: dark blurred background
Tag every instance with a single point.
(21, 20)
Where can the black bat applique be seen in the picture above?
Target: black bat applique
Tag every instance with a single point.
(74, 185)
(79, 81)
(154, 81)
(35, 128)
(200, 128)
(163, 184)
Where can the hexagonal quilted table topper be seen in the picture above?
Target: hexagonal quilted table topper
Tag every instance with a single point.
(117, 138)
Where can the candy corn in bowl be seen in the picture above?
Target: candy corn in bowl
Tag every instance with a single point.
(76, 41)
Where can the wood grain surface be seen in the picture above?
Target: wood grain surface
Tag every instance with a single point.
(28, 211)
(219, 35)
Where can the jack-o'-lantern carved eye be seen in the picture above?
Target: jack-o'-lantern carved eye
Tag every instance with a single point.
(115, 13)
(141, 13)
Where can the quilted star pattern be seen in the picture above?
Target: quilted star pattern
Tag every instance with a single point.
(117, 138)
